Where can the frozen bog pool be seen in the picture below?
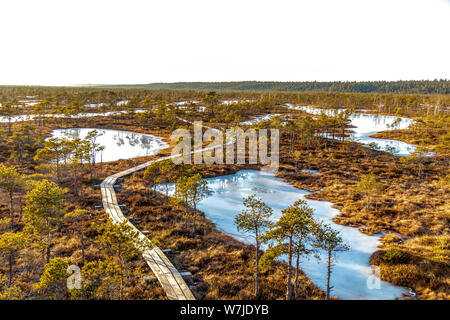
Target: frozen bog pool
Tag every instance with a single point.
(313, 172)
(97, 105)
(258, 119)
(352, 269)
(228, 102)
(118, 144)
(366, 125)
(369, 124)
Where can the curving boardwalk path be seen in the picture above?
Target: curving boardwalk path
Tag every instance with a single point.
(164, 270)
(169, 277)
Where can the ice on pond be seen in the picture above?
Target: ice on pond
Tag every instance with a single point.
(118, 144)
(369, 124)
(229, 102)
(310, 171)
(258, 119)
(352, 271)
(94, 105)
(366, 125)
(97, 105)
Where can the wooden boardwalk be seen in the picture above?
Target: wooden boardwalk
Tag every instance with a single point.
(169, 277)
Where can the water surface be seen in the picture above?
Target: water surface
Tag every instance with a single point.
(352, 270)
(257, 119)
(118, 144)
(366, 125)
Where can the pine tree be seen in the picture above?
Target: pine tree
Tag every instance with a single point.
(10, 244)
(369, 186)
(189, 191)
(76, 217)
(122, 243)
(255, 218)
(53, 281)
(329, 240)
(43, 211)
(11, 182)
(54, 149)
(290, 233)
(9, 110)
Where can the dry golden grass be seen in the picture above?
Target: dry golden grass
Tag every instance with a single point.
(409, 208)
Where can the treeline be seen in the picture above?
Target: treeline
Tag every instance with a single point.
(399, 104)
(441, 86)
(71, 100)
(78, 96)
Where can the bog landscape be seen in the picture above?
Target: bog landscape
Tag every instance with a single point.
(226, 190)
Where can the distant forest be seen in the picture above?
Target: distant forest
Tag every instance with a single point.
(404, 87)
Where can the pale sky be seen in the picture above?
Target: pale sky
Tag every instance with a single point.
(55, 42)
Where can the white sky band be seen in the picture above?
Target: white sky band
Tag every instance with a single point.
(52, 42)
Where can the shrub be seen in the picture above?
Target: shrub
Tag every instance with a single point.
(440, 250)
(53, 280)
(394, 255)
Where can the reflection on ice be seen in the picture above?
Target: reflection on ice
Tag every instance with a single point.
(258, 119)
(118, 144)
(366, 125)
(351, 273)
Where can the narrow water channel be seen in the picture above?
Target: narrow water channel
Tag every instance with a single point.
(366, 124)
(352, 271)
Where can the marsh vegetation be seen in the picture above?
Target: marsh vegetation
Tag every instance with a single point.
(51, 213)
